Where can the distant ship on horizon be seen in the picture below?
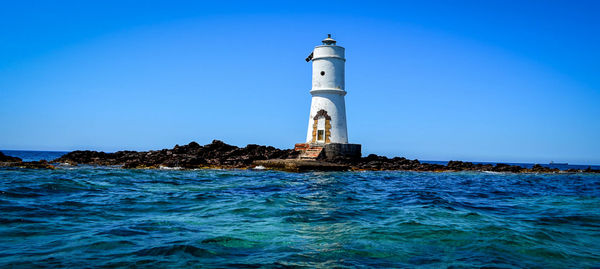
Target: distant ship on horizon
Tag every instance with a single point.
(553, 163)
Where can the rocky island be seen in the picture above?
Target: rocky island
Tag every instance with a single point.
(224, 156)
(9, 161)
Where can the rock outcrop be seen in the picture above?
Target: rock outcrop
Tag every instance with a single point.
(4, 158)
(374, 162)
(221, 155)
(9, 161)
(300, 165)
(192, 155)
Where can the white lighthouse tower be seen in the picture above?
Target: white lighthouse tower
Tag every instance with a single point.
(327, 120)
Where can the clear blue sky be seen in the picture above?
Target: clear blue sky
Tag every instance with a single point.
(512, 81)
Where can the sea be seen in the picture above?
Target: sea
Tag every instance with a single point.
(89, 217)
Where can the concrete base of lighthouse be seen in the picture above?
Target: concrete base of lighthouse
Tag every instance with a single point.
(328, 151)
(315, 157)
(342, 150)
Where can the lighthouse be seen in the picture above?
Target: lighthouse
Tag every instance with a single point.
(327, 132)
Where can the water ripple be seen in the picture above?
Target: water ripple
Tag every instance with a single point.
(110, 217)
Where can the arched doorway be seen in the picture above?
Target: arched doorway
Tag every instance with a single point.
(321, 127)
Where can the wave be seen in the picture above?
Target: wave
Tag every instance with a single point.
(174, 250)
(91, 216)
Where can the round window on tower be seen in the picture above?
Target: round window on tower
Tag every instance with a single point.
(322, 73)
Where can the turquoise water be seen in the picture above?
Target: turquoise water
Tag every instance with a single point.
(90, 216)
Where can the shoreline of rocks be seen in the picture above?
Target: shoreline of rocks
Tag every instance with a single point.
(224, 156)
(10, 161)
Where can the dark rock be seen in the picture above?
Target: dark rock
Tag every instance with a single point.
(460, 166)
(5, 158)
(192, 155)
(43, 164)
(221, 155)
(9, 161)
(502, 167)
(541, 169)
(590, 170)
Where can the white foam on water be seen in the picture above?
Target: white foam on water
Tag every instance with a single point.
(170, 168)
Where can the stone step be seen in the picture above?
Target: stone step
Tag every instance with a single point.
(312, 152)
(301, 146)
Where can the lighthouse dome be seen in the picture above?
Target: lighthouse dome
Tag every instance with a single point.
(329, 41)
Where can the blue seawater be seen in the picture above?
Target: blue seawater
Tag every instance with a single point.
(88, 216)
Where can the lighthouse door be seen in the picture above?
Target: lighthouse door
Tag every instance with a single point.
(321, 130)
